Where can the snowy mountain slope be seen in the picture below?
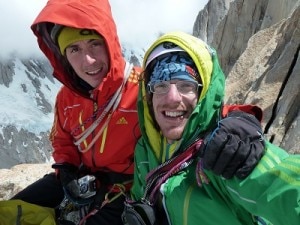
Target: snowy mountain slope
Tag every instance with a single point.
(28, 100)
(27, 96)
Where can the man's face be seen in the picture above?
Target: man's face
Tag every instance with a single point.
(172, 110)
(89, 59)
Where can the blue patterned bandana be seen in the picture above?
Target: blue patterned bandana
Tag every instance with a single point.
(174, 67)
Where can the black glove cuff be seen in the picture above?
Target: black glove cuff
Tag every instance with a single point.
(248, 118)
(66, 172)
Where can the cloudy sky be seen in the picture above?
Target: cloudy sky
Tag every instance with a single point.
(149, 19)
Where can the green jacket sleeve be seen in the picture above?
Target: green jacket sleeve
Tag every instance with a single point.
(272, 190)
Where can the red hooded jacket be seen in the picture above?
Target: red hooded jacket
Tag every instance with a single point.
(74, 112)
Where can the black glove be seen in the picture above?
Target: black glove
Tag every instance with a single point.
(68, 175)
(80, 191)
(235, 146)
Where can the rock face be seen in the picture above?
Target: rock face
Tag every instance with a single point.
(258, 44)
(267, 74)
(24, 147)
(20, 176)
(228, 25)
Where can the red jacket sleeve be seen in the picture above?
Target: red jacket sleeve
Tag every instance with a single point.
(64, 150)
(252, 109)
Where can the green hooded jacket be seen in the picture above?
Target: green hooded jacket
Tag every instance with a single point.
(271, 191)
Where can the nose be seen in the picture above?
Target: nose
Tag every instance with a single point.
(89, 58)
(173, 93)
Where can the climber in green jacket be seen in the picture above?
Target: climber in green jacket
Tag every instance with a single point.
(182, 118)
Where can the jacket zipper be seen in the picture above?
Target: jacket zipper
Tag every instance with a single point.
(93, 134)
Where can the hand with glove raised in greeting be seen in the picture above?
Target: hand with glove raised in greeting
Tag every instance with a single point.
(235, 146)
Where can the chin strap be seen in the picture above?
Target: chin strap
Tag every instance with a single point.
(111, 107)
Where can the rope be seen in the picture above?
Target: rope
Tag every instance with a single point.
(156, 177)
(121, 191)
(114, 102)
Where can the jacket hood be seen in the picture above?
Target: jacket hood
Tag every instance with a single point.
(92, 14)
(210, 100)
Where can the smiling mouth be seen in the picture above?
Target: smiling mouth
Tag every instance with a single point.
(94, 72)
(174, 114)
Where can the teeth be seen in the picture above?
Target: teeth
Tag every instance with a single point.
(93, 72)
(174, 114)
